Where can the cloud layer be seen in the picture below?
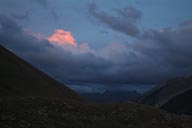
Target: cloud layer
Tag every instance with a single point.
(42, 3)
(153, 56)
(125, 20)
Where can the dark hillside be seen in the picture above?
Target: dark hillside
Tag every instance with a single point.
(18, 78)
(174, 96)
(180, 104)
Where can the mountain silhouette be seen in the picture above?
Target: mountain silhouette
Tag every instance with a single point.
(19, 78)
(173, 95)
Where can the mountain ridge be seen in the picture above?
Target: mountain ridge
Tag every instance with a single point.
(172, 90)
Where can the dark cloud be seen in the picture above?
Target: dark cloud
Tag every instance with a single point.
(53, 14)
(14, 37)
(55, 17)
(125, 20)
(21, 16)
(8, 25)
(169, 49)
(42, 3)
(154, 56)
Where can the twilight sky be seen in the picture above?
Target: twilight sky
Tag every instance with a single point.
(94, 45)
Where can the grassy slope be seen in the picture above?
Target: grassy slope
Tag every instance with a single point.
(36, 112)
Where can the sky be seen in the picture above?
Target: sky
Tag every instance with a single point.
(98, 45)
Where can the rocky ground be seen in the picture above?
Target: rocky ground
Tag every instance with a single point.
(36, 112)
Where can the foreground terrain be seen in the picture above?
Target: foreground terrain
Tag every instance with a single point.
(36, 112)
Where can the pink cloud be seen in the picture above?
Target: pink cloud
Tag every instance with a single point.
(61, 37)
(66, 40)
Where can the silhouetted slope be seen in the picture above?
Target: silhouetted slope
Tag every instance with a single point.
(180, 104)
(18, 78)
(163, 93)
(173, 96)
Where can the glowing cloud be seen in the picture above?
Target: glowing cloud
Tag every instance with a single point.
(61, 37)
